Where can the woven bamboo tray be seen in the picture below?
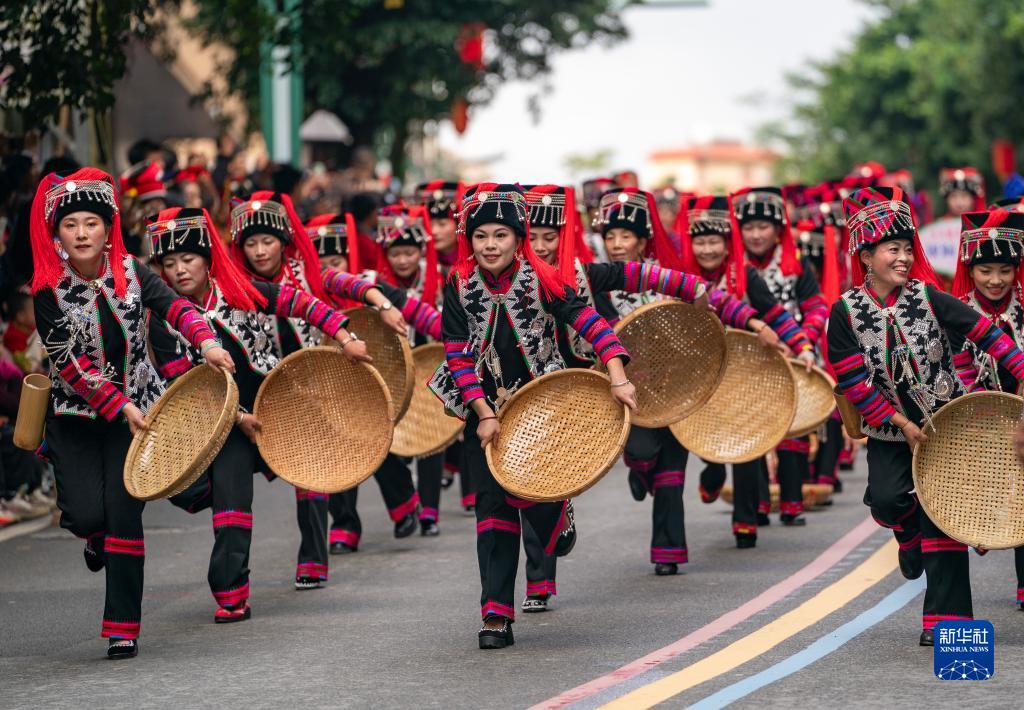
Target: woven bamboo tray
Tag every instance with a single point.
(425, 429)
(751, 410)
(188, 425)
(391, 353)
(327, 423)
(677, 359)
(559, 435)
(966, 474)
(814, 400)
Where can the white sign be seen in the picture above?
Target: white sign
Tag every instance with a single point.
(941, 242)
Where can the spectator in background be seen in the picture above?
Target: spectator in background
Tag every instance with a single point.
(21, 328)
(364, 206)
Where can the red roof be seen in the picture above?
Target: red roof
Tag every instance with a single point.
(718, 151)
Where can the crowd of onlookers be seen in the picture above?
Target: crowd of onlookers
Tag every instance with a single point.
(158, 178)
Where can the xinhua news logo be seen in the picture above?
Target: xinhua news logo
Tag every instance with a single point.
(965, 650)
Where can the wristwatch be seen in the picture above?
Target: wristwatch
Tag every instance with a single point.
(386, 306)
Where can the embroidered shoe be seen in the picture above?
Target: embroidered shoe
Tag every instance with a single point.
(793, 521)
(122, 648)
(230, 616)
(534, 605)
(340, 548)
(927, 638)
(429, 528)
(763, 520)
(496, 638)
(666, 569)
(305, 582)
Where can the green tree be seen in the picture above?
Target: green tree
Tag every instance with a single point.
(385, 67)
(926, 84)
(56, 53)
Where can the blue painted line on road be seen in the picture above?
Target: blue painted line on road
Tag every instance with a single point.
(892, 603)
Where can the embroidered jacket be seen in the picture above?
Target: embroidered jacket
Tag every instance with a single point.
(246, 335)
(345, 288)
(96, 341)
(770, 310)
(1008, 316)
(908, 354)
(799, 294)
(424, 319)
(501, 333)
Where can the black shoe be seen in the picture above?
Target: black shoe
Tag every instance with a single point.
(636, 486)
(846, 466)
(745, 542)
(428, 528)
(567, 538)
(497, 638)
(406, 526)
(911, 562)
(340, 548)
(1020, 606)
(837, 486)
(793, 521)
(304, 583)
(763, 520)
(927, 638)
(469, 508)
(93, 559)
(666, 569)
(446, 482)
(534, 605)
(122, 648)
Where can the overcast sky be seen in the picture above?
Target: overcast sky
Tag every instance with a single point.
(681, 77)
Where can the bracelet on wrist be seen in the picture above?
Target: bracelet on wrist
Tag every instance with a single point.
(352, 338)
(484, 419)
(620, 384)
(207, 346)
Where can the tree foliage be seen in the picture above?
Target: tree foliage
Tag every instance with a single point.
(927, 84)
(384, 66)
(56, 53)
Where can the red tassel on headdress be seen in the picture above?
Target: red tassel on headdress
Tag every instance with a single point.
(234, 285)
(963, 284)
(830, 266)
(789, 264)
(430, 277)
(736, 271)
(299, 247)
(47, 266)
(352, 243)
(570, 240)
(552, 284)
(659, 246)
(687, 259)
(581, 250)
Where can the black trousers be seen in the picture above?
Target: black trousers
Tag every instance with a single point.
(826, 462)
(499, 520)
(794, 469)
(455, 461)
(311, 515)
(660, 461)
(428, 485)
(747, 479)
(18, 468)
(894, 506)
(227, 487)
(88, 458)
(400, 497)
(540, 567)
(1018, 563)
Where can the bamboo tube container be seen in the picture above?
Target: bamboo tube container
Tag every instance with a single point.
(35, 399)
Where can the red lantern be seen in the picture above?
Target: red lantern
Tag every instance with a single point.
(470, 45)
(460, 114)
(1003, 160)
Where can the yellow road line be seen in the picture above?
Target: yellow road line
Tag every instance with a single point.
(836, 595)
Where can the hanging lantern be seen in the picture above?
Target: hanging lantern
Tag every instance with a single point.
(460, 114)
(470, 45)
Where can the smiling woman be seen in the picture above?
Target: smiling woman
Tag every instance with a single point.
(901, 348)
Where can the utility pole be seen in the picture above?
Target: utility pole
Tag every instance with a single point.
(281, 85)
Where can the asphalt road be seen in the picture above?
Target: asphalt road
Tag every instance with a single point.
(396, 626)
